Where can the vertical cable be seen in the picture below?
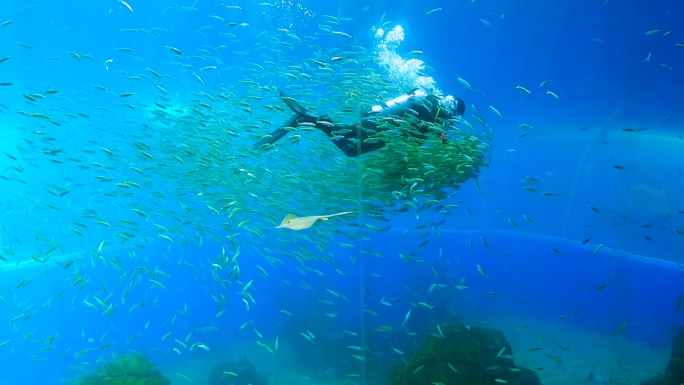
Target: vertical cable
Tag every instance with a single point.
(359, 198)
(362, 297)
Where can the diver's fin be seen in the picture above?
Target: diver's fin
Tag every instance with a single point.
(300, 116)
(272, 137)
(297, 108)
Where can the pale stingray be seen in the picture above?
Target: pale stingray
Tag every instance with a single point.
(293, 222)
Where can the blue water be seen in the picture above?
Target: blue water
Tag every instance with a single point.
(592, 52)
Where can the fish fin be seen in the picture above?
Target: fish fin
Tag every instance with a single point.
(286, 221)
(289, 217)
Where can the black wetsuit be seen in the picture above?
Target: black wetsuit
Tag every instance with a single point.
(351, 138)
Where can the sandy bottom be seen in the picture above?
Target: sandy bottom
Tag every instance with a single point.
(567, 355)
(613, 359)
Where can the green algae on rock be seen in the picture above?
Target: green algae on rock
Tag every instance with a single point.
(129, 369)
(460, 355)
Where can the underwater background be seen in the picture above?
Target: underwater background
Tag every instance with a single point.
(138, 219)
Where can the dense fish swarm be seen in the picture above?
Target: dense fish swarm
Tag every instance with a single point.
(99, 176)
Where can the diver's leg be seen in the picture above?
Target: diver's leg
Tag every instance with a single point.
(341, 140)
(326, 125)
(350, 139)
(280, 132)
(368, 128)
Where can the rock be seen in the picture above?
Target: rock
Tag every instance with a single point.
(463, 356)
(657, 380)
(598, 376)
(130, 369)
(246, 374)
(674, 372)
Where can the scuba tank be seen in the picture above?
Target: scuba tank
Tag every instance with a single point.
(396, 106)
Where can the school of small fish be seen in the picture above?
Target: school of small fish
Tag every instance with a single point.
(96, 177)
(101, 175)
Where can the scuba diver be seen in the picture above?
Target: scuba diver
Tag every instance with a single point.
(356, 139)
